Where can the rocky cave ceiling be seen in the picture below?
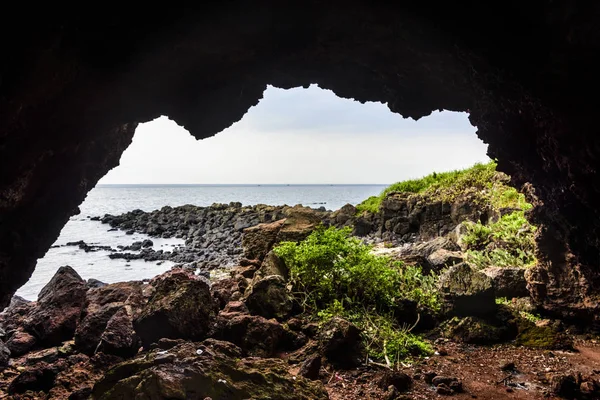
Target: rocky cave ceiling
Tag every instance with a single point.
(74, 84)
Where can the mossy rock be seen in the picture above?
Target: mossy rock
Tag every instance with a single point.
(473, 330)
(272, 265)
(181, 307)
(502, 327)
(542, 337)
(467, 292)
(200, 370)
(340, 342)
(270, 298)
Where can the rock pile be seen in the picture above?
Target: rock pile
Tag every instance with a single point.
(213, 235)
(173, 323)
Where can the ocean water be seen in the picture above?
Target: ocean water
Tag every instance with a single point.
(117, 199)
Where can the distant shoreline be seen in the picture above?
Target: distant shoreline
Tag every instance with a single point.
(116, 185)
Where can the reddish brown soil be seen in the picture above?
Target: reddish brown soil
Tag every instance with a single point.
(479, 369)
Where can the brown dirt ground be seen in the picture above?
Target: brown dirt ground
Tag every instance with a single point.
(479, 369)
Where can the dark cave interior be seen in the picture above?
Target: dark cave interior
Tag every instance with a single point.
(74, 86)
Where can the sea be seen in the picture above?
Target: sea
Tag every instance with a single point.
(117, 199)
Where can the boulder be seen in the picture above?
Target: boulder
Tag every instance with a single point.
(211, 369)
(442, 258)
(508, 282)
(564, 385)
(4, 355)
(100, 306)
(364, 224)
(272, 265)
(340, 342)
(180, 307)
(224, 290)
(258, 240)
(236, 306)
(467, 292)
(432, 255)
(20, 342)
(246, 271)
(94, 283)
(54, 318)
(299, 223)
(57, 373)
(270, 298)
(13, 316)
(40, 377)
(255, 335)
(344, 216)
(543, 335)
(311, 367)
(475, 330)
(397, 379)
(119, 337)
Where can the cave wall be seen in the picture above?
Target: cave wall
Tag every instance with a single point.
(75, 84)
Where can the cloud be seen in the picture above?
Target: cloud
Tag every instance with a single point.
(318, 109)
(303, 136)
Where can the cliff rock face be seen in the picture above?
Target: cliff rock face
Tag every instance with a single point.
(74, 86)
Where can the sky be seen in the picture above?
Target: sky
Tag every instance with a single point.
(302, 136)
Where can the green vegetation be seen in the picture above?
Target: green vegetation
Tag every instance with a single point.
(371, 204)
(335, 274)
(445, 186)
(508, 241)
(542, 337)
(531, 317)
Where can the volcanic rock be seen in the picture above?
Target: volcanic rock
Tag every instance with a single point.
(54, 318)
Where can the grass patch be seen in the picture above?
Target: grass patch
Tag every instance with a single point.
(440, 185)
(508, 242)
(335, 274)
(371, 205)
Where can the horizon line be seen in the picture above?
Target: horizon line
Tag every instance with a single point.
(242, 184)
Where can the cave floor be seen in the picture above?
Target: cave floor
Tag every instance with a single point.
(480, 370)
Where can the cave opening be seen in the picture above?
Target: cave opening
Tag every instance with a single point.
(297, 146)
(74, 86)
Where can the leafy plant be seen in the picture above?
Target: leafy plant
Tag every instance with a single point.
(334, 273)
(508, 242)
(332, 265)
(371, 205)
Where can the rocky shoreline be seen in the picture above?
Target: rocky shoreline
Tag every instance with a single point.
(182, 335)
(213, 235)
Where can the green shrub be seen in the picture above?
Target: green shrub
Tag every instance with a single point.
(508, 197)
(449, 184)
(441, 185)
(371, 205)
(334, 273)
(385, 338)
(332, 265)
(509, 242)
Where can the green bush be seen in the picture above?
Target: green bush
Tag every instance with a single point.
(332, 265)
(448, 184)
(509, 242)
(371, 205)
(334, 273)
(508, 197)
(441, 185)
